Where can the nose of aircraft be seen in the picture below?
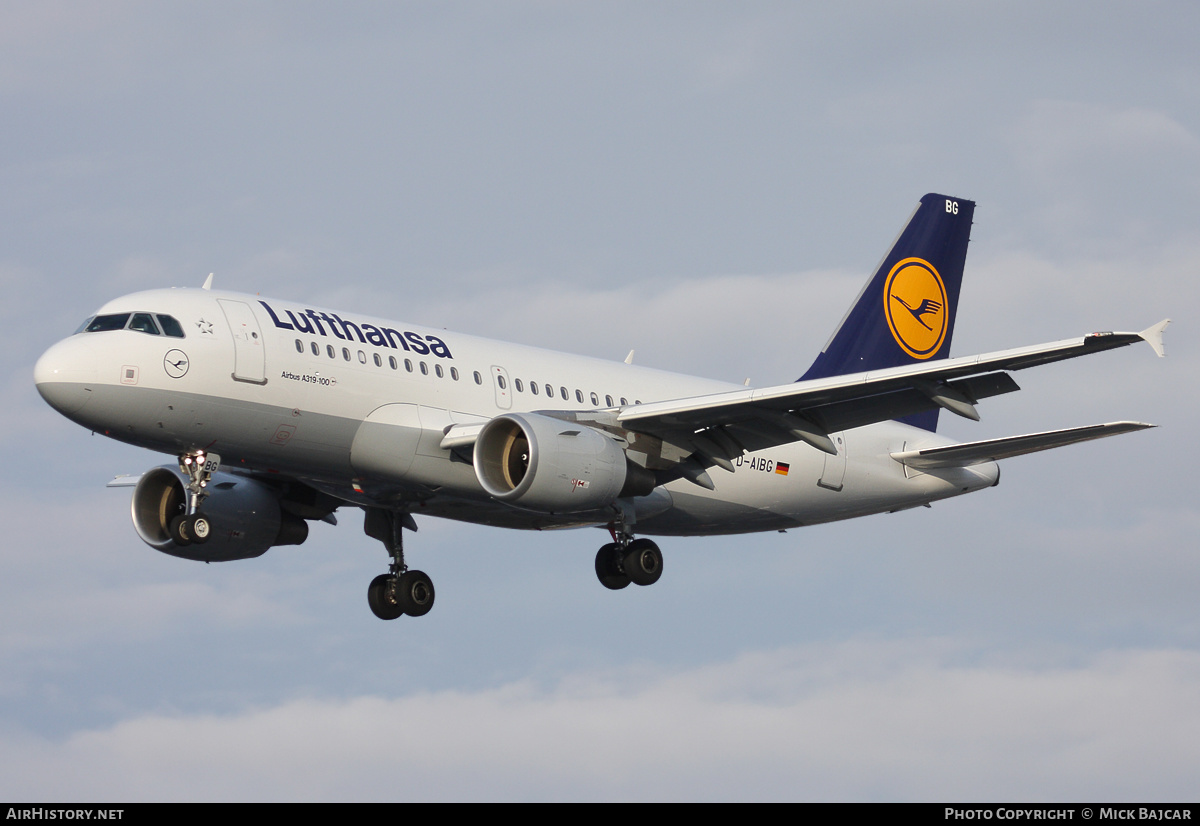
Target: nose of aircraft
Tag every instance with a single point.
(64, 375)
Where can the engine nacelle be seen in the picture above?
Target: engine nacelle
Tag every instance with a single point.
(245, 516)
(549, 465)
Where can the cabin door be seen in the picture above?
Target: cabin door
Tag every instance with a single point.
(249, 356)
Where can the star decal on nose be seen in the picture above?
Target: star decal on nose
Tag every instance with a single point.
(206, 327)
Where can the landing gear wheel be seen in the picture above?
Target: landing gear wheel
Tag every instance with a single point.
(200, 529)
(414, 593)
(380, 600)
(608, 571)
(180, 530)
(643, 562)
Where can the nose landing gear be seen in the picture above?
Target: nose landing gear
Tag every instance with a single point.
(189, 530)
(193, 527)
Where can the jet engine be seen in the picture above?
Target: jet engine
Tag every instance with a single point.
(554, 466)
(245, 515)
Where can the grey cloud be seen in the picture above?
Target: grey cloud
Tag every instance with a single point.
(861, 719)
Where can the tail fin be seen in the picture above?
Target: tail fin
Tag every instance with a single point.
(905, 313)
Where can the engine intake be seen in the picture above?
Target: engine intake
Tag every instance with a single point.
(553, 466)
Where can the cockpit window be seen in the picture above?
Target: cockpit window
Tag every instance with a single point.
(170, 326)
(143, 323)
(104, 323)
(86, 323)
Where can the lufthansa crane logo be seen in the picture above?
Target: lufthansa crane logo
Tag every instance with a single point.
(175, 362)
(914, 302)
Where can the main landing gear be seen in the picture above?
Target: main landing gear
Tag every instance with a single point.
(192, 527)
(627, 560)
(400, 591)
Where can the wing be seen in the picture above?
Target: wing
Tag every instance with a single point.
(712, 430)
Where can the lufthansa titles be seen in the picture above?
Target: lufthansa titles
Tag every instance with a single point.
(315, 323)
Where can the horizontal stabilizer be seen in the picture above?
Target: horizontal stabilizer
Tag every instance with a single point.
(124, 480)
(974, 453)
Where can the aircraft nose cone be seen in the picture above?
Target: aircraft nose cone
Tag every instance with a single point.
(64, 375)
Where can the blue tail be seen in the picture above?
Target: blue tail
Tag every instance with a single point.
(905, 313)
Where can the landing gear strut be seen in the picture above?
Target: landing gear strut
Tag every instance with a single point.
(626, 560)
(400, 591)
(192, 527)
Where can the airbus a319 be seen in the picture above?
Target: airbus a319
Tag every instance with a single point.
(279, 413)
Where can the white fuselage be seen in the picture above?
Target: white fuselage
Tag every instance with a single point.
(357, 407)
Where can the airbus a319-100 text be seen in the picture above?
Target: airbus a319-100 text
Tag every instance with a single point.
(280, 413)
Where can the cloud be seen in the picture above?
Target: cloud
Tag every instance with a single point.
(1058, 131)
(848, 721)
(1080, 159)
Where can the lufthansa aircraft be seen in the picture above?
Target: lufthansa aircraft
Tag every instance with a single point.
(281, 413)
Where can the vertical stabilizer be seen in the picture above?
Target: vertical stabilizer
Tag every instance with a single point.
(905, 313)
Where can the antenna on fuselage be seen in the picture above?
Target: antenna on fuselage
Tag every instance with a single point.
(629, 358)
(208, 282)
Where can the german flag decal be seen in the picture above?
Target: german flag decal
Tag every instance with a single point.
(782, 468)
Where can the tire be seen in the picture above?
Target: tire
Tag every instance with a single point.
(200, 529)
(608, 571)
(178, 529)
(377, 597)
(643, 562)
(415, 594)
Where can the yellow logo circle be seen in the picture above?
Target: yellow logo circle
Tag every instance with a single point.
(914, 302)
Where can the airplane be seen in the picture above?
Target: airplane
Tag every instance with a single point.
(280, 414)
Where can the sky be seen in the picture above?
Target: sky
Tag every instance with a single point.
(709, 184)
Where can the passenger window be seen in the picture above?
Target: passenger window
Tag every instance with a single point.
(437, 368)
(316, 349)
(454, 373)
(566, 396)
(143, 323)
(362, 357)
(424, 369)
(478, 378)
(104, 323)
(549, 392)
(595, 400)
(329, 350)
(520, 387)
(500, 381)
(579, 396)
(299, 346)
(170, 326)
(408, 365)
(623, 402)
(608, 401)
(392, 362)
(533, 387)
(378, 361)
(346, 353)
